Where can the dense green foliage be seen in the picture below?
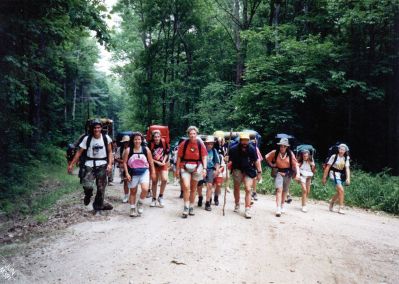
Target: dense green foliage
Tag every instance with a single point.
(323, 70)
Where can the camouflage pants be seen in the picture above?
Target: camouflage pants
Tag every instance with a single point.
(99, 176)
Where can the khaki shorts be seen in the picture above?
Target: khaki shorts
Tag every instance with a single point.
(196, 175)
(282, 182)
(239, 176)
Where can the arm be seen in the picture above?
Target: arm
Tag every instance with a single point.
(151, 162)
(75, 159)
(125, 159)
(204, 165)
(110, 157)
(177, 166)
(325, 173)
(348, 176)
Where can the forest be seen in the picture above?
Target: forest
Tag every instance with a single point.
(322, 70)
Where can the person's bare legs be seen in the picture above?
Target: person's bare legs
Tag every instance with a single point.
(247, 186)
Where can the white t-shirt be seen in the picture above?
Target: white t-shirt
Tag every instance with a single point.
(339, 165)
(306, 169)
(96, 150)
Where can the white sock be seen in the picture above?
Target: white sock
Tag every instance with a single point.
(191, 205)
(142, 200)
(132, 205)
(186, 204)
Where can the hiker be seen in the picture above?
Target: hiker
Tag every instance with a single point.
(112, 172)
(160, 155)
(254, 195)
(119, 159)
(191, 167)
(245, 167)
(338, 170)
(99, 159)
(219, 179)
(284, 166)
(212, 170)
(139, 167)
(307, 168)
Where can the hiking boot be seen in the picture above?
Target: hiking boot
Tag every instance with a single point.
(200, 198)
(107, 206)
(278, 212)
(153, 203)
(216, 200)
(125, 198)
(248, 213)
(304, 209)
(185, 212)
(237, 208)
(161, 202)
(255, 196)
(86, 200)
(140, 207)
(341, 210)
(133, 212)
(191, 211)
(208, 206)
(289, 199)
(181, 194)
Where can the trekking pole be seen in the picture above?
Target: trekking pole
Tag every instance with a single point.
(227, 172)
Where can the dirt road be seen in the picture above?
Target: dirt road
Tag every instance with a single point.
(160, 247)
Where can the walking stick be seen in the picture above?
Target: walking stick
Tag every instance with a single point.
(227, 173)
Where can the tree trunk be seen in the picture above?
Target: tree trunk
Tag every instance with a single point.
(237, 39)
(65, 103)
(75, 87)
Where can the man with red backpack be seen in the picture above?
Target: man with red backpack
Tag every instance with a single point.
(160, 154)
(99, 159)
(191, 166)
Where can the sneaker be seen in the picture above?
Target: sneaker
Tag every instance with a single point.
(185, 212)
(107, 206)
(237, 208)
(331, 207)
(110, 183)
(125, 199)
(278, 212)
(255, 196)
(248, 213)
(304, 209)
(208, 206)
(200, 198)
(133, 212)
(282, 210)
(153, 203)
(161, 202)
(341, 210)
(289, 199)
(181, 194)
(86, 200)
(191, 211)
(140, 207)
(216, 200)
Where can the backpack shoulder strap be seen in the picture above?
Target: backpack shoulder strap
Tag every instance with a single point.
(105, 139)
(185, 149)
(144, 150)
(199, 150)
(88, 142)
(290, 153)
(275, 156)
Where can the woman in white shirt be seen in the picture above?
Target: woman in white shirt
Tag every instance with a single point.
(338, 170)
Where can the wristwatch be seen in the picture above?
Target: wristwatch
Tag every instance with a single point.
(259, 172)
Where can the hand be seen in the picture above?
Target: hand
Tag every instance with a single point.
(177, 173)
(297, 178)
(70, 168)
(216, 173)
(109, 168)
(203, 173)
(128, 177)
(324, 180)
(259, 176)
(348, 181)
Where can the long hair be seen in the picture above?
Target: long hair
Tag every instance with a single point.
(300, 158)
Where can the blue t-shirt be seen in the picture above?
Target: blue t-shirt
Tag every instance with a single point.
(212, 159)
(243, 159)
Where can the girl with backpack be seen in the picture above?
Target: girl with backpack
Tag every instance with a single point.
(284, 166)
(338, 170)
(307, 168)
(138, 165)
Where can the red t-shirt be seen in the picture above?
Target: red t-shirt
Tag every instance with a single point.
(192, 152)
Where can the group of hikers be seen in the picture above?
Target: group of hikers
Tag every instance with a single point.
(197, 163)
